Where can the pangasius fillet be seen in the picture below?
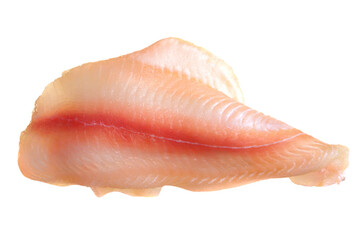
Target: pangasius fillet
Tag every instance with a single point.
(170, 114)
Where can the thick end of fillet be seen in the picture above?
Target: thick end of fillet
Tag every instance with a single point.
(333, 172)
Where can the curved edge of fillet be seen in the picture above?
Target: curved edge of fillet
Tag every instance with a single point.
(331, 174)
(140, 192)
(196, 62)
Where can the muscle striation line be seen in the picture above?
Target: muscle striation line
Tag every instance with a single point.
(94, 123)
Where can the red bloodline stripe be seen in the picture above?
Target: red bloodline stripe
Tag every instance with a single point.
(77, 121)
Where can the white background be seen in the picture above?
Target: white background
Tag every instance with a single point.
(298, 61)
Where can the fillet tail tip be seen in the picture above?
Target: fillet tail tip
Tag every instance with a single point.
(331, 174)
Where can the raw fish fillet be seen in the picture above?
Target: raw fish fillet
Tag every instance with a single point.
(170, 114)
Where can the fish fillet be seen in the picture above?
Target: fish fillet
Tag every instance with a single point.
(170, 114)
